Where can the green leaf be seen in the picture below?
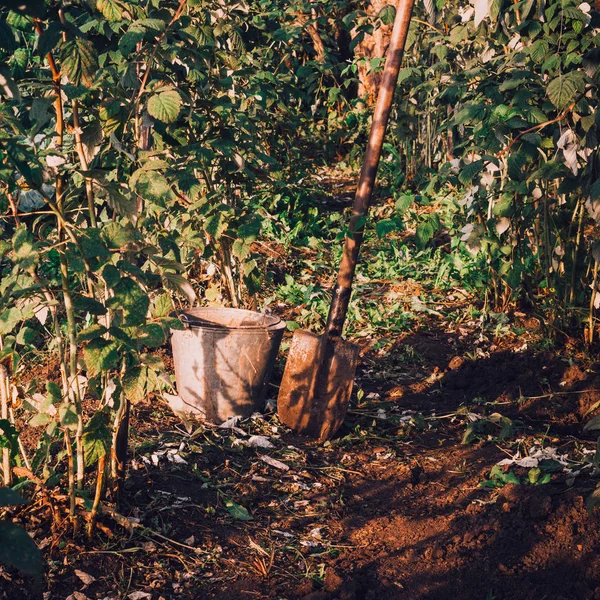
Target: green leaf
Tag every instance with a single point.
(109, 9)
(139, 382)
(385, 226)
(96, 437)
(151, 185)
(49, 38)
(9, 436)
(92, 332)
(593, 500)
(9, 319)
(92, 244)
(67, 416)
(111, 275)
(79, 61)
(26, 336)
(424, 233)
(165, 106)
(151, 335)
(533, 475)
(387, 14)
(237, 511)
(131, 299)
(100, 355)
(179, 283)
(563, 89)
(516, 163)
(538, 50)
(25, 251)
(592, 424)
(54, 392)
(119, 236)
(9, 497)
(161, 306)
(549, 170)
(469, 172)
(89, 305)
(404, 202)
(129, 41)
(40, 420)
(216, 225)
(473, 112)
(18, 550)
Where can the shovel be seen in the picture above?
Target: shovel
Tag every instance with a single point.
(319, 374)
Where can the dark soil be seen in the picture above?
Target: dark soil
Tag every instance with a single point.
(389, 509)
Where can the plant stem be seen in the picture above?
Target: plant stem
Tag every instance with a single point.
(98, 495)
(119, 444)
(19, 441)
(576, 247)
(590, 337)
(71, 474)
(73, 376)
(4, 400)
(84, 164)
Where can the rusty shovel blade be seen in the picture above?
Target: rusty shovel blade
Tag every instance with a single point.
(317, 383)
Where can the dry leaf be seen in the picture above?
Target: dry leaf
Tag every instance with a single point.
(259, 441)
(274, 462)
(139, 596)
(86, 578)
(77, 596)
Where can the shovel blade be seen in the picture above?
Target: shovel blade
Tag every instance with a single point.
(317, 383)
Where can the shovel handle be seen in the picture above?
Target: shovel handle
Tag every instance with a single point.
(366, 182)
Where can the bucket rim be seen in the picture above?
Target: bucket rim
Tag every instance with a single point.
(195, 321)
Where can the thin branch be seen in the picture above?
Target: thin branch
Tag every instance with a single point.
(84, 163)
(565, 113)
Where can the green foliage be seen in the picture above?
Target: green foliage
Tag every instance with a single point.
(237, 511)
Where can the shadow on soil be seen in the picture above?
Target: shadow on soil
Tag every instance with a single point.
(427, 530)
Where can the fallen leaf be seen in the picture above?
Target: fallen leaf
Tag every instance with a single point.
(139, 596)
(149, 546)
(180, 408)
(259, 441)
(77, 596)
(274, 462)
(237, 511)
(86, 578)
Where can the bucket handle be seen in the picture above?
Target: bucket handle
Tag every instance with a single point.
(189, 322)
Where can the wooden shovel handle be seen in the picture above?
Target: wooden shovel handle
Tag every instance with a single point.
(343, 288)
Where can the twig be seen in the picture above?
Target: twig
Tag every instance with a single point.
(60, 122)
(541, 126)
(428, 25)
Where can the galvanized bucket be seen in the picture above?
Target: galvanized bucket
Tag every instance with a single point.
(223, 360)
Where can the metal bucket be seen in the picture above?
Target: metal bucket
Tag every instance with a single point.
(223, 360)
